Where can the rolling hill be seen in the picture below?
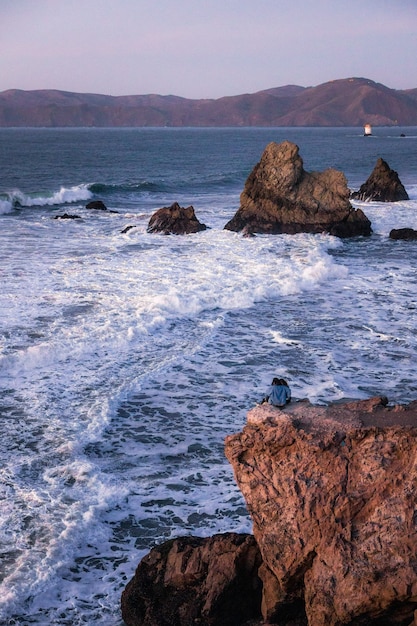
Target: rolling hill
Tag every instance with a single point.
(344, 102)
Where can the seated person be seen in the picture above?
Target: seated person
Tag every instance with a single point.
(279, 394)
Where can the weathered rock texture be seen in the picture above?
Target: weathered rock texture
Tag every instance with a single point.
(383, 185)
(175, 220)
(191, 580)
(332, 494)
(403, 233)
(281, 197)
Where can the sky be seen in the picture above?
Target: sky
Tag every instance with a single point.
(204, 48)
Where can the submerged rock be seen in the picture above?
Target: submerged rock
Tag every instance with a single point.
(281, 197)
(383, 185)
(191, 580)
(175, 220)
(332, 493)
(127, 228)
(67, 216)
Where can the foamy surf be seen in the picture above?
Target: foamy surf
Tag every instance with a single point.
(125, 359)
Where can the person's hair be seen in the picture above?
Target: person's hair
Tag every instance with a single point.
(279, 381)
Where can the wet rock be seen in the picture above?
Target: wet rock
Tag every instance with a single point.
(175, 220)
(126, 229)
(96, 205)
(332, 493)
(281, 197)
(67, 216)
(408, 234)
(190, 580)
(383, 185)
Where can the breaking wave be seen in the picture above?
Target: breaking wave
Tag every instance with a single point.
(66, 195)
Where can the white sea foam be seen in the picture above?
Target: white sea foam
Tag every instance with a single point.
(126, 359)
(6, 206)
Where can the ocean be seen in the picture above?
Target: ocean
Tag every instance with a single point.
(126, 358)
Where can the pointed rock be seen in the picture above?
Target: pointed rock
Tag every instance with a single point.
(383, 185)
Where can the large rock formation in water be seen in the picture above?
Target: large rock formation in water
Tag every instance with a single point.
(281, 197)
(383, 185)
(175, 220)
(332, 495)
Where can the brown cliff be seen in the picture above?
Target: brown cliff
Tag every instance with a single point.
(332, 495)
(281, 197)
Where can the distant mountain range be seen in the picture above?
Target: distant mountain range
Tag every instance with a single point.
(345, 102)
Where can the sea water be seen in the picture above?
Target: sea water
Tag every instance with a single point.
(126, 358)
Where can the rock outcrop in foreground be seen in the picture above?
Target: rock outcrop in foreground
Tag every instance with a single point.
(191, 580)
(332, 494)
(175, 220)
(281, 197)
(383, 185)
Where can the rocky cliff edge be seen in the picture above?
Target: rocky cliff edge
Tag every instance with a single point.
(332, 494)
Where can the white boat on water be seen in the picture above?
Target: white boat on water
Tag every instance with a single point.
(367, 130)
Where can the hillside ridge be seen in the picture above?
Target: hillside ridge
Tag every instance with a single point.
(342, 102)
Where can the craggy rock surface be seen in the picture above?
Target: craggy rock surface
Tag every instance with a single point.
(281, 197)
(332, 494)
(383, 185)
(403, 233)
(175, 220)
(191, 580)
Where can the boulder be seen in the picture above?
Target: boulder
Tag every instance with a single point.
(403, 233)
(175, 220)
(383, 185)
(281, 197)
(96, 205)
(332, 493)
(191, 580)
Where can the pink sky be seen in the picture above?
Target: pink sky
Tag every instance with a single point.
(204, 48)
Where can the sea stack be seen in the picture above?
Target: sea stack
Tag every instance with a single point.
(281, 197)
(383, 185)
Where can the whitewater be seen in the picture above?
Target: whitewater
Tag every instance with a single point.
(126, 357)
